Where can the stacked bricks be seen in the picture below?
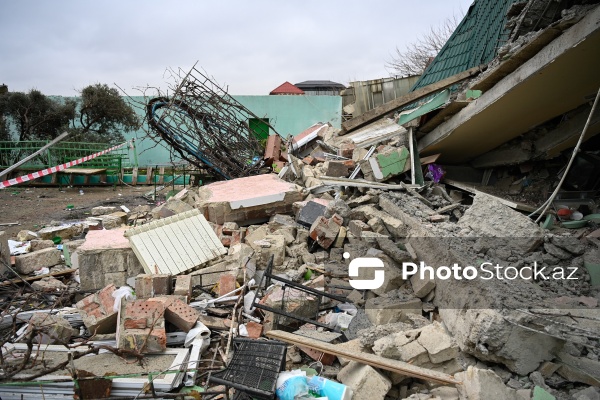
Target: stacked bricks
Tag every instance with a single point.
(147, 286)
(97, 311)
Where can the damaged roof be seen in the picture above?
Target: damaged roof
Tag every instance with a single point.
(474, 42)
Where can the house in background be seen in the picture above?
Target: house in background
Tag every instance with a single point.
(287, 88)
(321, 88)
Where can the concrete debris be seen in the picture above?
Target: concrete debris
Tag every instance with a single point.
(408, 270)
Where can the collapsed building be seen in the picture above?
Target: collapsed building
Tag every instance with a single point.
(487, 289)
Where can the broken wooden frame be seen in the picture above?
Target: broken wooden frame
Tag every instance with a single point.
(288, 284)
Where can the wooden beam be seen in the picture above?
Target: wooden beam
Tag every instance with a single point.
(474, 190)
(38, 277)
(373, 360)
(408, 98)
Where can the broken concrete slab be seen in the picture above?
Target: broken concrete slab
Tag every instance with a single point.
(50, 329)
(171, 207)
(483, 384)
(237, 200)
(63, 231)
(381, 310)
(439, 344)
(102, 210)
(106, 257)
(26, 264)
(490, 218)
(41, 244)
(48, 284)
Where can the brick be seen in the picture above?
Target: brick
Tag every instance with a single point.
(230, 227)
(147, 286)
(178, 313)
(346, 150)
(254, 329)
(152, 338)
(308, 160)
(324, 231)
(338, 169)
(227, 283)
(27, 263)
(97, 311)
(183, 286)
(326, 359)
(272, 149)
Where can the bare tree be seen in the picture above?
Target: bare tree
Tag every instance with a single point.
(416, 56)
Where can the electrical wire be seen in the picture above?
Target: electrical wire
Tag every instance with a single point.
(547, 203)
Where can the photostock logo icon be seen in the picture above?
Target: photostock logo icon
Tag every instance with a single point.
(365, 262)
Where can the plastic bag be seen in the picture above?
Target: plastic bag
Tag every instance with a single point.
(123, 291)
(291, 385)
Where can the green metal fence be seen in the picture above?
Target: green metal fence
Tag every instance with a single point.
(12, 152)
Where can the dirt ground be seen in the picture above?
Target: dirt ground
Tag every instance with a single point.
(35, 207)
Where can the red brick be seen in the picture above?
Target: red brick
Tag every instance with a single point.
(97, 311)
(346, 150)
(254, 329)
(272, 149)
(178, 313)
(308, 160)
(227, 283)
(326, 359)
(324, 231)
(135, 323)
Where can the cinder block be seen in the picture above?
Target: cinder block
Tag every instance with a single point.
(150, 339)
(25, 264)
(147, 286)
(183, 286)
(97, 311)
(365, 381)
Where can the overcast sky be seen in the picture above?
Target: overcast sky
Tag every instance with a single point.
(252, 46)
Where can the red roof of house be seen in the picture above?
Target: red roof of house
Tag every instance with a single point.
(287, 88)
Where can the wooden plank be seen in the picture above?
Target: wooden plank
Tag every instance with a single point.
(430, 159)
(474, 190)
(402, 101)
(134, 176)
(38, 277)
(373, 360)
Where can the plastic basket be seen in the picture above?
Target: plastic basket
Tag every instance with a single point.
(254, 367)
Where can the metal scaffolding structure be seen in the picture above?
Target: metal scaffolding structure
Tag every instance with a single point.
(206, 126)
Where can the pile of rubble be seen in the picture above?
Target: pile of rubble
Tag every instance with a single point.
(267, 255)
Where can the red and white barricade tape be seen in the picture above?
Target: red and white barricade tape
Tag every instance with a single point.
(48, 171)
